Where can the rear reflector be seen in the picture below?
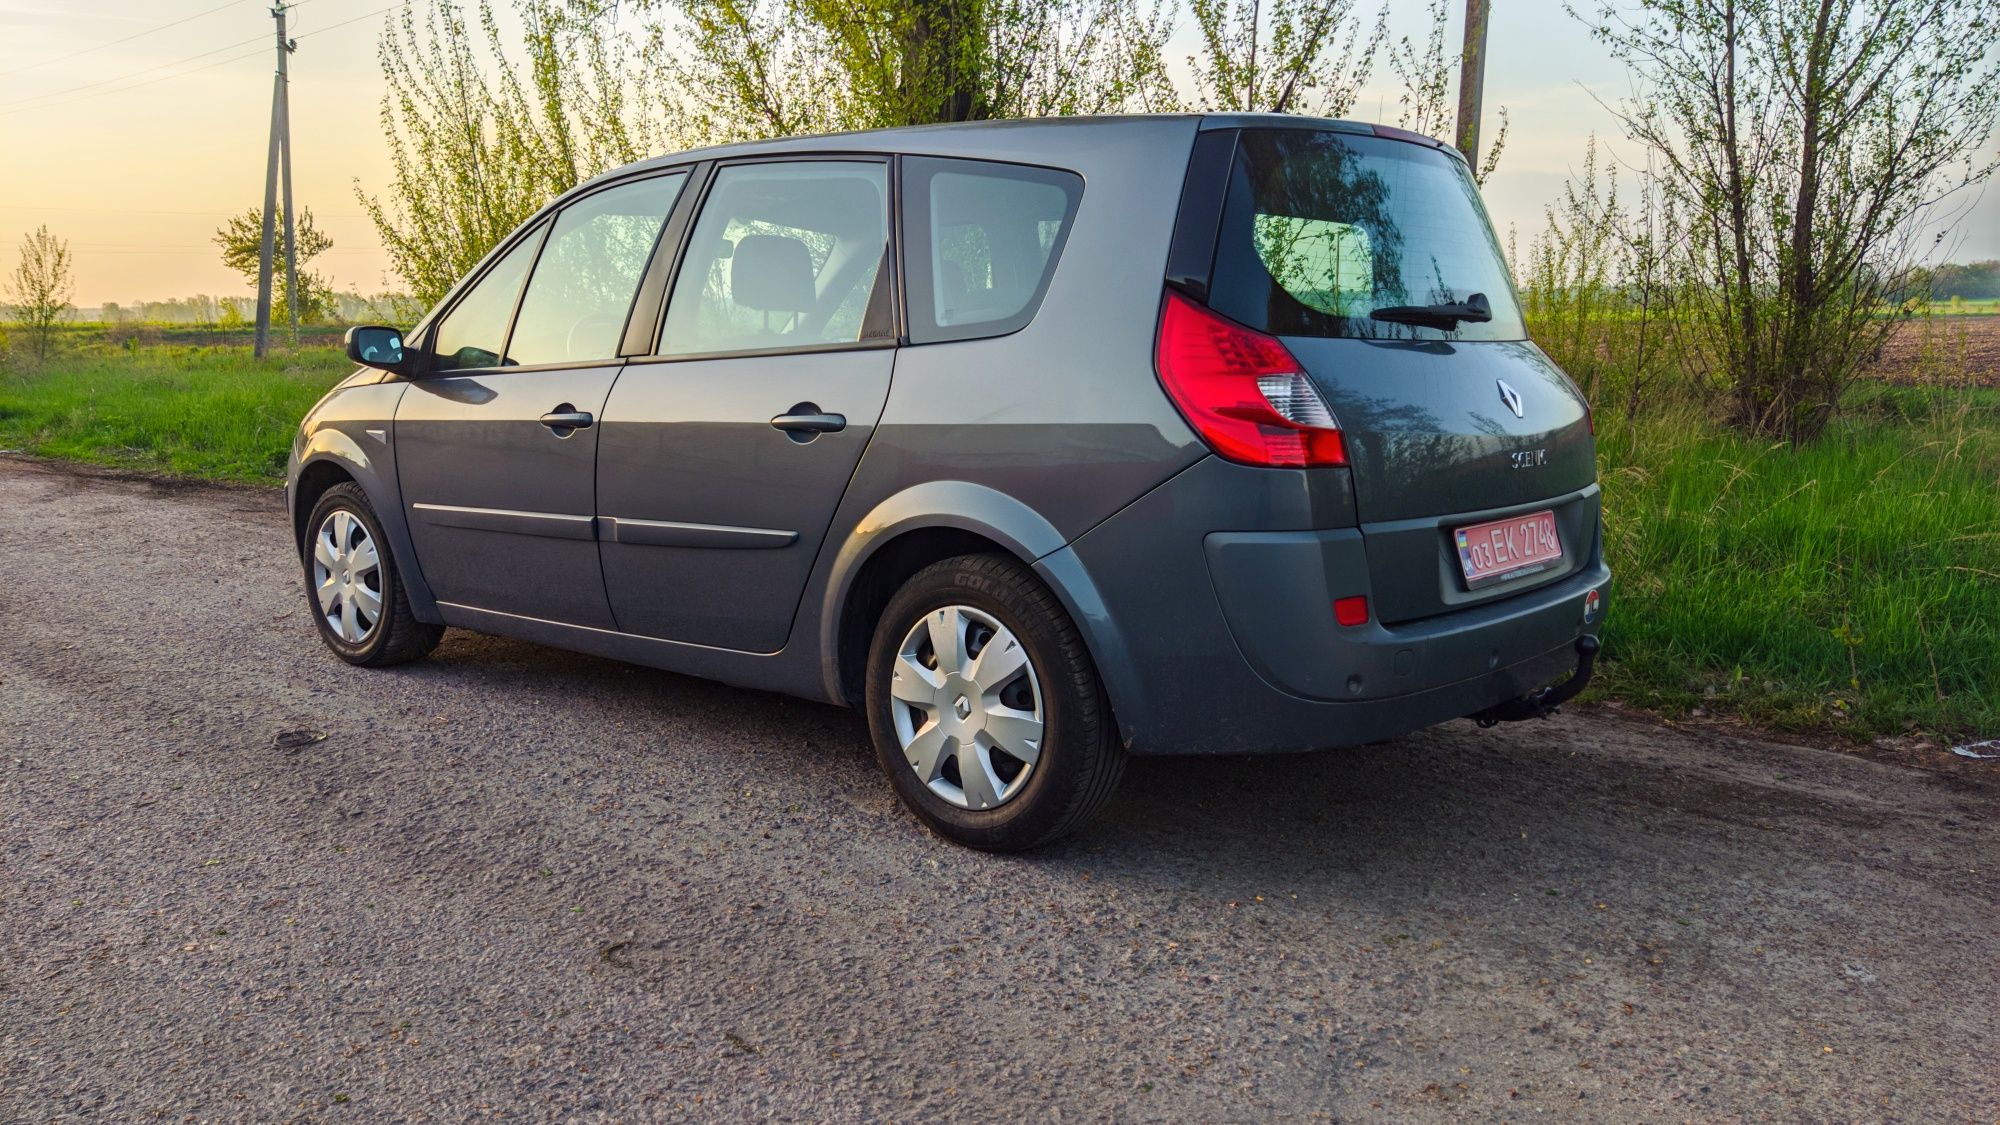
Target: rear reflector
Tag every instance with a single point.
(1242, 391)
(1351, 611)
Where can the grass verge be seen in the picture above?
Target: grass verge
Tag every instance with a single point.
(1853, 584)
(210, 412)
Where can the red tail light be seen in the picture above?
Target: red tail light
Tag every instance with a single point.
(1351, 611)
(1242, 391)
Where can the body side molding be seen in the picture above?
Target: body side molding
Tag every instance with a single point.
(666, 533)
(550, 525)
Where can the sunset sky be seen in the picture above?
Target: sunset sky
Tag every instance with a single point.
(135, 151)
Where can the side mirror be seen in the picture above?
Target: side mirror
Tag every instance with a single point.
(372, 345)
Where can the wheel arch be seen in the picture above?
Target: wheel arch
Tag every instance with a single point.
(329, 457)
(939, 520)
(315, 478)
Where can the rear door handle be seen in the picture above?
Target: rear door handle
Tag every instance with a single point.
(567, 417)
(806, 419)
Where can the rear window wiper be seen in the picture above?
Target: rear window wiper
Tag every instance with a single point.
(1474, 308)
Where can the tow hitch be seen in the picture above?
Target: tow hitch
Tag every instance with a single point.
(1542, 702)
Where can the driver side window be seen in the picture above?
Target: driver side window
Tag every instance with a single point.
(576, 304)
(473, 334)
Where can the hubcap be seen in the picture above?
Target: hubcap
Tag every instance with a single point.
(967, 707)
(347, 576)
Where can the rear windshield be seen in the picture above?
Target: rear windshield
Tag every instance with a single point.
(1321, 229)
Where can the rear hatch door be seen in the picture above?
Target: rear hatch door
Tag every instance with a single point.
(1372, 258)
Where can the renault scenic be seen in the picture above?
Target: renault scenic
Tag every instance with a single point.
(1044, 443)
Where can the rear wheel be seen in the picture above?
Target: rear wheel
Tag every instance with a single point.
(986, 710)
(352, 587)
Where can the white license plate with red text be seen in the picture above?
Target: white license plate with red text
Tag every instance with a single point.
(1509, 548)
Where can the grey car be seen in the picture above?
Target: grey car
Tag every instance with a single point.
(1044, 443)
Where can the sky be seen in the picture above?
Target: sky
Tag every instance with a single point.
(135, 140)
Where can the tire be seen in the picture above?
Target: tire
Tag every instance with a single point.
(943, 718)
(381, 629)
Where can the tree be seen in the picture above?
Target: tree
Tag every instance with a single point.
(1284, 56)
(475, 156)
(242, 243)
(757, 68)
(1592, 288)
(40, 289)
(1970, 280)
(1802, 148)
(1428, 101)
(598, 84)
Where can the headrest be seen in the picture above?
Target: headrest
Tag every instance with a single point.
(952, 276)
(771, 273)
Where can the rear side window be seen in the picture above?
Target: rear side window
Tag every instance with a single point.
(983, 242)
(472, 335)
(575, 308)
(1321, 229)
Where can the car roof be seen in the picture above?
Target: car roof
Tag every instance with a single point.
(1015, 139)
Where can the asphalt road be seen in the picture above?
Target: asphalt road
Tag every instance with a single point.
(243, 880)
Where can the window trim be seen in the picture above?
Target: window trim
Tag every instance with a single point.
(539, 226)
(921, 325)
(649, 305)
(712, 171)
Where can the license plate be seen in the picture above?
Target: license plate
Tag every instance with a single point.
(1509, 548)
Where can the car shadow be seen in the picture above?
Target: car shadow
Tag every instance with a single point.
(1452, 814)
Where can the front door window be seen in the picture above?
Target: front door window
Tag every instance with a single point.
(575, 308)
(474, 334)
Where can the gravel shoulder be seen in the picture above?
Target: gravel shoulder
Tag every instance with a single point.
(246, 881)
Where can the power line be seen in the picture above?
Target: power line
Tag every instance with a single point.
(23, 106)
(204, 249)
(147, 70)
(24, 102)
(159, 211)
(116, 42)
(343, 23)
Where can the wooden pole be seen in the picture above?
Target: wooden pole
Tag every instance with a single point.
(1472, 78)
(266, 247)
(285, 178)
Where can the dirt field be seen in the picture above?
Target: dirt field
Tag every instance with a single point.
(1945, 350)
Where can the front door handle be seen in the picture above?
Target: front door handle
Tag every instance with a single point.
(566, 418)
(806, 421)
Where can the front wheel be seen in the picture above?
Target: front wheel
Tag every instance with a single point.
(985, 708)
(352, 587)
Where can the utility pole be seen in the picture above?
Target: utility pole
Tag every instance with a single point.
(280, 152)
(1472, 78)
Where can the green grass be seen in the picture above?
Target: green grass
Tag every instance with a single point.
(1963, 306)
(210, 412)
(1853, 584)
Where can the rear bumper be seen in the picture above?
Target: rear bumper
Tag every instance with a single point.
(1277, 592)
(1225, 643)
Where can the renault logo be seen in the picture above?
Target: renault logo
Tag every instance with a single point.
(1512, 398)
